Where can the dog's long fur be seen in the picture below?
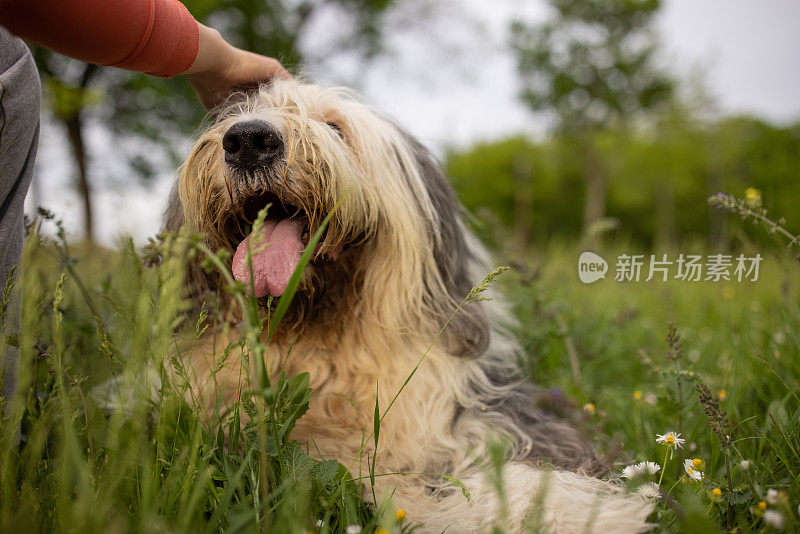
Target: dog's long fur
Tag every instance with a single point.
(367, 317)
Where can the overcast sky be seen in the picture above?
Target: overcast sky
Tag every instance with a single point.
(747, 51)
(456, 85)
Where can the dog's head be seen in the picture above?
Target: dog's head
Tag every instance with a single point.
(394, 252)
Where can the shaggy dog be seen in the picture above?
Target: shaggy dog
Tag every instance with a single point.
(395, 261)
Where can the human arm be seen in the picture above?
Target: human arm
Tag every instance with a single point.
(157, 37)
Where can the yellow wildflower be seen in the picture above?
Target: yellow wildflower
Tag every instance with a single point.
(753, 196)
(728, 292)
(692, 468)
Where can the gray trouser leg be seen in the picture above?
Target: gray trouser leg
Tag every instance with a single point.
(20, 102)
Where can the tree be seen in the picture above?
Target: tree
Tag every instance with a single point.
(591, 67)
(660, 187)
(157, 113)
(487, 179)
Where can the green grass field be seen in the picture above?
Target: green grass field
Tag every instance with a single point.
(738, 339)
(102, 448)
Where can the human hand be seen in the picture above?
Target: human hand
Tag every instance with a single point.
(221, 68)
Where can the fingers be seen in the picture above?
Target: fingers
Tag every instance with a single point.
(277, 70)
(222, 69)
(255, 69)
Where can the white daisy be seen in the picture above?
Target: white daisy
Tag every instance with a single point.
(631, 471)
(774, 518)
(353, 529)
(744, 464)
(694, 474)
(642, 468)
(671, 439)
(648, 490)
(772, 496)
(651, 468)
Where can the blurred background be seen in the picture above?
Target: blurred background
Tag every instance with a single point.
(558, 120)
(565, 125)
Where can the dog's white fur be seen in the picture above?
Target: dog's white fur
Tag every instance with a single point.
(367, 318)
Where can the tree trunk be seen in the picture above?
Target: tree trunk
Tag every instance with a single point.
(74, 125)
(523, 204)
(594, 179)
(665, 214)
(665, 237)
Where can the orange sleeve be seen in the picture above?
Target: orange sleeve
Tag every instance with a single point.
(158, 37)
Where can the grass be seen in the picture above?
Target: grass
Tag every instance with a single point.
(100, 331)
(738, 339)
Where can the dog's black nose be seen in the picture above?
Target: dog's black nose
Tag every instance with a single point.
(251, 144)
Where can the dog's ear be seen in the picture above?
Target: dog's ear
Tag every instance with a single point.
(468, 333)
(173, 215)
(196, 279)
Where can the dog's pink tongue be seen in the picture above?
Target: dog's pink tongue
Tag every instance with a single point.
(275, 257)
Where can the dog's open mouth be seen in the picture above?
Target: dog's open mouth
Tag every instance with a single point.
(275, 249)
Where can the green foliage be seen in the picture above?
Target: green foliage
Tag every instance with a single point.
(661, 178)
(726, 378)
(67, 100)
(591, 67)
(111, 436)
(486, 179)
(591, 63)
(108, 432)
